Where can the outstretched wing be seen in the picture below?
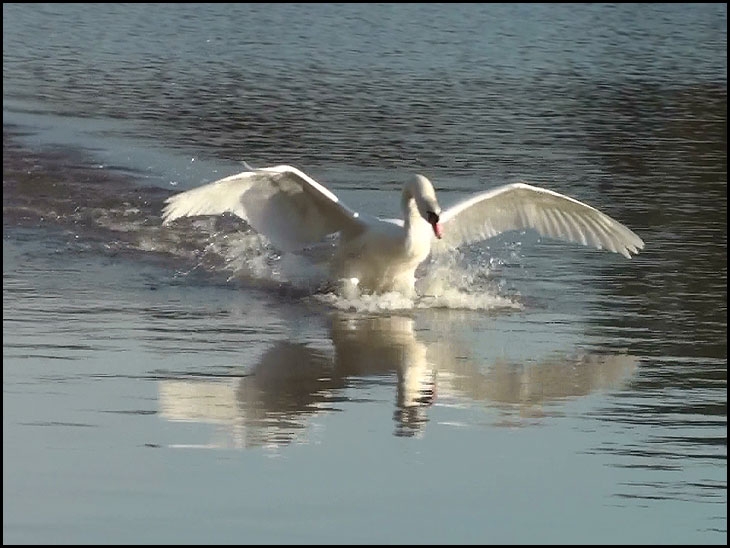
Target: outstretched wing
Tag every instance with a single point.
(520, 206)
(282, 203)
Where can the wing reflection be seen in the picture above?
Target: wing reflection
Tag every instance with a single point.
(273, 404)
(530, 387)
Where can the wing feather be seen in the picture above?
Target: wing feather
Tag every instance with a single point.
(521, 206)
(282, 203)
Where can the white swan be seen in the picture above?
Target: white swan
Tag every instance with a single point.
(293, 211)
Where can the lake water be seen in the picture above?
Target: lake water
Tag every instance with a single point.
(187, 384)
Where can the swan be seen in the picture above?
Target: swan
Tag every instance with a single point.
(378, 255)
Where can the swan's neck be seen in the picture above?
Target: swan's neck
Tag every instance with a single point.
(414, 224)
(408, 205)
(416, 232)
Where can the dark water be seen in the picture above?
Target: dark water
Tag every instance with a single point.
(183, 385)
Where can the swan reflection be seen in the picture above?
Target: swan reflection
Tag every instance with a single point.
(274, 402)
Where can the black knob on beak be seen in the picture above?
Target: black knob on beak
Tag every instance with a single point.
(432, 218)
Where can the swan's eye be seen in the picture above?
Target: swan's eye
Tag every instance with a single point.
(431, 217)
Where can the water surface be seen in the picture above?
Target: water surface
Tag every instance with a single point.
(190, 384)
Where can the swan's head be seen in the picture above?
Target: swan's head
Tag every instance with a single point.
(422, 192)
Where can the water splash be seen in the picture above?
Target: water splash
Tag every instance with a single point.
(454, 281)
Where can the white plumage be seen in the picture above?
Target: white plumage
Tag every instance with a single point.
(520, 206)
(293, 211)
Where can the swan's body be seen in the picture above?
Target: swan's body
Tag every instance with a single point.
(293, 211)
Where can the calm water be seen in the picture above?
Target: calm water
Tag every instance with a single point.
(190, 385)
